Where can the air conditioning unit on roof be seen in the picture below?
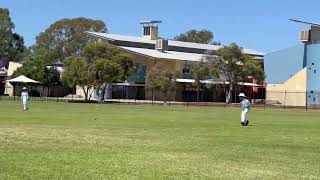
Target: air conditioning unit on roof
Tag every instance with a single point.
(161, 45)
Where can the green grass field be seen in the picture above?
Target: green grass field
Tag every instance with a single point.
(89, 141)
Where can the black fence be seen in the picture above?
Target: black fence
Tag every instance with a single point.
(39, 93)
(215, 96)
(292, 99)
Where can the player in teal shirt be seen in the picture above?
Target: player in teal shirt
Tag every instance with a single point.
(25, 98)
(245, 103)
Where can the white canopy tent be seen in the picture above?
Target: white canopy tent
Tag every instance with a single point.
(23, 79)
(13, 86)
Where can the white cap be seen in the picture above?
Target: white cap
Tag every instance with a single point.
(242, 95)
(24, 88)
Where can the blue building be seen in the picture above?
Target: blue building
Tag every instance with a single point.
(293, 74)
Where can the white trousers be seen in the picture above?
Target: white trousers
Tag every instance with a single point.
(25, 106)
(244, 115)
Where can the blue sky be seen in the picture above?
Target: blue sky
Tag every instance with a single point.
(256, 24)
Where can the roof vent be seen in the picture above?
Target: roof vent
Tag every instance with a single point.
(150, 29)
(305, 36)
(162, 45)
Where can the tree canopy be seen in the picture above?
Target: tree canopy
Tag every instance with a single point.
(67, 37)
(78, 72)
(11, 44)
(36, 68)
(199, 71)
(98, 65)
(196, 36)
(163, 80)
(233, 66)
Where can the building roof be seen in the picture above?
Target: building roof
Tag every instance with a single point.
(115, 37)
(153, 53)
(210, 81)
(13, 66)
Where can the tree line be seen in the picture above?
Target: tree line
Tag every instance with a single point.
(89, 63)
(227, 66)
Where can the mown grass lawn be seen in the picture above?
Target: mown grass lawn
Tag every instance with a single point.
(89, 141)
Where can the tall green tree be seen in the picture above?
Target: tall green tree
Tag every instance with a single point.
(67, 37)
(100, 64)
(11, 44)
(36, 67)
(79, 72)
(162, 80)
(111, 64)
(196, 36)
(199, 71)
(233, 66)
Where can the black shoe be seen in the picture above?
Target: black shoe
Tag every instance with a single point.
(247, 123)
(243, 124)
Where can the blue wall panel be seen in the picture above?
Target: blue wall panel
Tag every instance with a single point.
(282, 65)
(313, 73)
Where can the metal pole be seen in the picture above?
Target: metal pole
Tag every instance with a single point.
(306, 101)
(135, 99)
(264, 94)
(152, 95)
(285, 98)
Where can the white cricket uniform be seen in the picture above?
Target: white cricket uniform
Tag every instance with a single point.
(25, 98)
(245, 110)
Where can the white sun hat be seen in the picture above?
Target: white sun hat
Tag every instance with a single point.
(242, 95)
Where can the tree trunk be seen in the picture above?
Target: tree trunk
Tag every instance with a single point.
(85, 93)
(108, 91)
(102, 91)
(89, 97)
(165, 99)
(198, 89)
(229, 95)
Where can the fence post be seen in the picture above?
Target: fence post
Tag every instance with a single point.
(135, 99)
(285, 98)
(306, 101)
(152, 96)
(264, 93)
(127, 94)
(186, 98)
(187, 101)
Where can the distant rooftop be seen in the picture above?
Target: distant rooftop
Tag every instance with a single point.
(178, 44)
(150, 22)
(153, 53)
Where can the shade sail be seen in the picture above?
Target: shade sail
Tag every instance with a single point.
(22, 79)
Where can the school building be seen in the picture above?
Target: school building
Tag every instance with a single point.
(293, 74)
(149, 50)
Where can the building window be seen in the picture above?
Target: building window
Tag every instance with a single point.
(139, 75)
(186, 68)
(146, 31)
(186, 74)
